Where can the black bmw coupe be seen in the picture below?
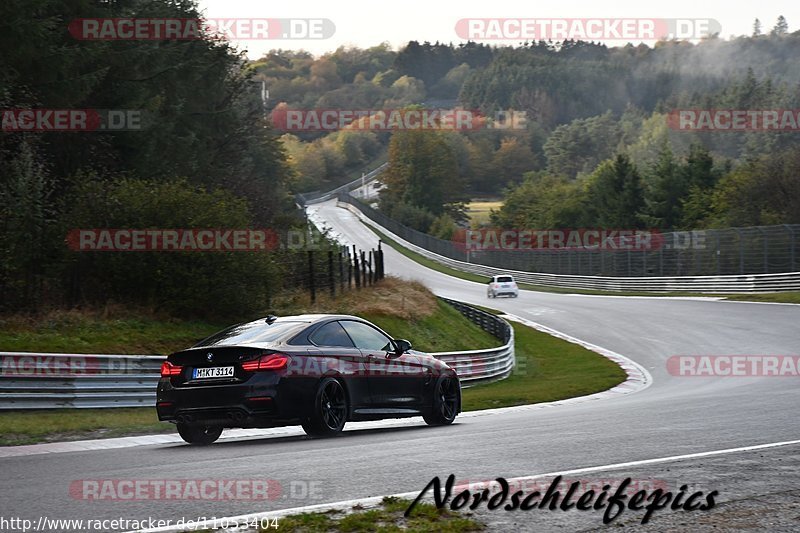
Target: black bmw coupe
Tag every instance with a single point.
(319, 371)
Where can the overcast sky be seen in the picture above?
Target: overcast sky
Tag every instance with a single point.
(367, 23)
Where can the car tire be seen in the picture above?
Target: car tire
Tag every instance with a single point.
(330, 410)
(199, 435)
(445, 402)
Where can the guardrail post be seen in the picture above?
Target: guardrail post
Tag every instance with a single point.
(791, 247)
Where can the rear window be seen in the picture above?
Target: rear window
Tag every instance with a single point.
(254, 332)
(504, 279)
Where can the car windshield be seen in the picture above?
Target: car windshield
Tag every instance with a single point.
(504, 279)
(254, 332)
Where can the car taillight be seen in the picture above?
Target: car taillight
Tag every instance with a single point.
(169, 370)
(274, 361)
(496, 286)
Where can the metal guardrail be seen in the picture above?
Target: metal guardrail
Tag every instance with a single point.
(482, 366)
(50, 381)
(711, 252)
(725, 284)
(47, 381)
(307, 199)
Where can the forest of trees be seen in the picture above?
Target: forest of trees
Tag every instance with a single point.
(588, 107)
(206, 159)
(595, 150)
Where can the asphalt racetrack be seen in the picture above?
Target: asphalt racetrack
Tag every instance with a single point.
(675, 416)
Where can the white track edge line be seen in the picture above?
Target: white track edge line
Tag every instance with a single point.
(638, 376)
(373, 501)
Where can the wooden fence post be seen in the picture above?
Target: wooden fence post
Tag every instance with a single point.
(311, 285)
(356, 268)
(331, 279)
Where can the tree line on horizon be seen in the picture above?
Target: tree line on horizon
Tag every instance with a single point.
(595, 148)
(207, 158)
(589, 107)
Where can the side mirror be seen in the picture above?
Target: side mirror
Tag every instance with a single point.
(401, 346)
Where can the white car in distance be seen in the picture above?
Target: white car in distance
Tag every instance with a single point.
(502, 285)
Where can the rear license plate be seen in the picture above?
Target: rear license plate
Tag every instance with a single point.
(214, 372)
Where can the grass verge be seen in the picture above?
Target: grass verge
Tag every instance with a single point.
(547, 368)
(446, 330)
(31, 427)
(97, 332)
(386, 518)
(772, 297)
(405, 309)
